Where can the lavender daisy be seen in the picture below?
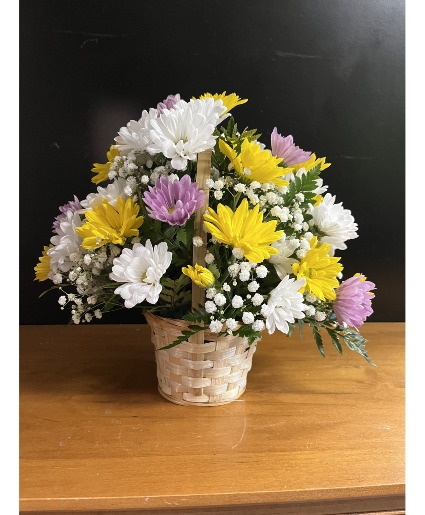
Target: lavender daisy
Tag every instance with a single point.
(284, 147)
(353, 302)
(168, 103)
(72, 205)
(173, 201)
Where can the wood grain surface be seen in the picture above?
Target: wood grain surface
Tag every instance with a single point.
(309, 436)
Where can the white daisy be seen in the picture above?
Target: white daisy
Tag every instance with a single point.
(135, 136)
(281, 261)
(186, 130)
(141, 269)
(66, 243)
(320, 188)
(209, 107)
(111, 193)
(285, 304)
(336, 222)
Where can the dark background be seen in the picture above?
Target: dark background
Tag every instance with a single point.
(329, 72)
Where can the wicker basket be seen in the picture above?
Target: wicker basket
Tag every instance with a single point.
(207, 370)
(200, 374)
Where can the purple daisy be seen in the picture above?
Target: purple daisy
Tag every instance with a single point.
(168, 103)
(284, 147)
(353, 303)
(72, 205)
(173, 201)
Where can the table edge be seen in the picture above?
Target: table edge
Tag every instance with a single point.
(370, 498)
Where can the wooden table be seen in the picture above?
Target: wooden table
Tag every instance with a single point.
(309, 436)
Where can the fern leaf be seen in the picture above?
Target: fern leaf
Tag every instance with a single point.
(356, 342)
(335, 339)
(318, 339)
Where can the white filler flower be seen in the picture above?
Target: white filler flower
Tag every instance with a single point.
(336, 222)
(285, 304)
(141, 269)
(186, 130)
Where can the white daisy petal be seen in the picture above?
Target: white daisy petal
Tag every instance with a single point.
(186, 130)
(285, 304)
(335, 222)
(141, 269)
(66, 242)
(281, 261)
(111, 193)
(136, 135)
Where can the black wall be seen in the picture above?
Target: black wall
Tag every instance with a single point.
(329, 72)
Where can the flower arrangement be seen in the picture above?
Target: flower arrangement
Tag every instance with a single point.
(261, 221)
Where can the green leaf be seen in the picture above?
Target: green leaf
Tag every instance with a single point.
(318, 339)
(170, 232)
(335, 339)
(230, 126)
(356, 342)
(166, 298)
(214, 270)
(197, 328)
(182, 281)
(182, 236)
(291, 329)
(157, 226)
(183, 337)
(249, 333)
(250, 135)
(300, 327)
(174, 292)
(306, 184)
(111, 303)
(197, 316)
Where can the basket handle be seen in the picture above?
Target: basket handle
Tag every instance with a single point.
(203, 173)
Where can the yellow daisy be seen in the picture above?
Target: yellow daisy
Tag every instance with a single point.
(199, 275)
(254, 164)
(311, 163)
(109, 224)
(243, 229)
(319, 270)
(229, 101)
(42, 268)
(317, 199)
(102, 170)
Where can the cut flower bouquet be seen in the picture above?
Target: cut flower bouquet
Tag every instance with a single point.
(249, 245)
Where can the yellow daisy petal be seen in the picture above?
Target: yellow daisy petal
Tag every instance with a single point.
(109, 224)
(199, 275)
(311, 163)
(229, 101)
(319, 270)
(255, 164)
(243, 229)
(102, 170)
(42, 269)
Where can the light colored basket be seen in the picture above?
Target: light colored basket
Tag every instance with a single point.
(206, 374)
(206, 370)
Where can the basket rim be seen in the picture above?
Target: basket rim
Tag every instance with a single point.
(177, 323)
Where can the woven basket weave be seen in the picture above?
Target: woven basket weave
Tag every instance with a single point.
(207, 374)
(207, 370)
